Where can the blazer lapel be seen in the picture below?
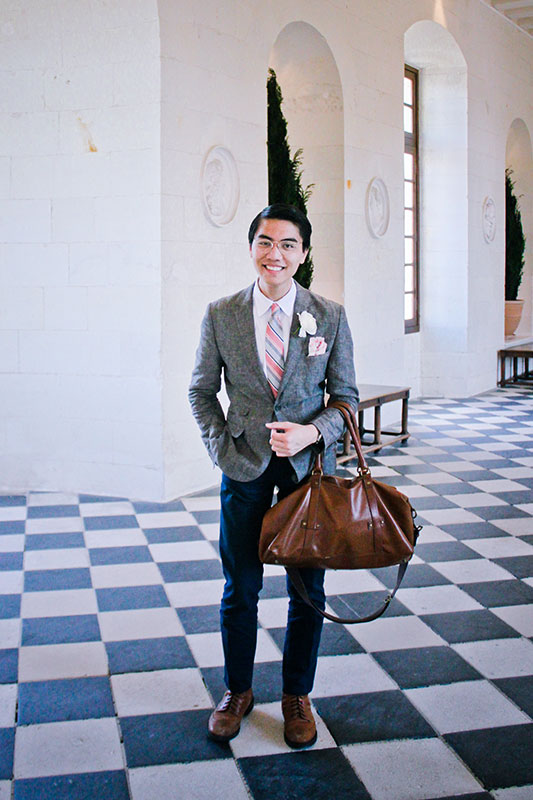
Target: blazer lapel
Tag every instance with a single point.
(246, 344)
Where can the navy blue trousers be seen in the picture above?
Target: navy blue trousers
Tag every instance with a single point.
(243, 505)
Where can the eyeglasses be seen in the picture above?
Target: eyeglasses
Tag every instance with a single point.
(266, 245)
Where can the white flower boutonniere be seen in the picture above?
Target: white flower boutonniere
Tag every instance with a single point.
(307, 324)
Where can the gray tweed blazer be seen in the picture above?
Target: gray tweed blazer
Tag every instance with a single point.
(238, 442)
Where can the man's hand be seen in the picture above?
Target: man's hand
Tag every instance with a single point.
(288, 438)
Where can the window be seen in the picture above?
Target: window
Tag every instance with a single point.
(411, 204)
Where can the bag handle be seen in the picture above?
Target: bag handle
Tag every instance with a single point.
(364, 471)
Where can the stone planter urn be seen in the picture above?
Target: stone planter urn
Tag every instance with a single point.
(513, 315)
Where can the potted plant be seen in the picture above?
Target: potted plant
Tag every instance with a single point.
(515, 243)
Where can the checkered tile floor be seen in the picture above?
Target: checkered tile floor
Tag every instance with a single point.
(111, 658)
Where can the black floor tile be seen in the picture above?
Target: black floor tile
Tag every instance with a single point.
(473, 530)
(499, 757)
(469, 626)
(453, 488)
(185, 533)
(520, 690)
(336, 641)
(501, 512)
(146, 655)
(85, 786)
(520, 566)
(425, 666)
(206, 517)
(372, 717)
(316, 774)
(201, 570)
(423, 503)
(200, 619)
(362, 604)
(445, 551)
(274, 586)
(9, 659)
(169, 739)
(499, 593)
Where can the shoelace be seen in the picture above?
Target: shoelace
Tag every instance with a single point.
(230, 702)
(297, 708)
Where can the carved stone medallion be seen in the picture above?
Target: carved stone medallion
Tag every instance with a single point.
(377, 208)
(489, 219)
(220, 186)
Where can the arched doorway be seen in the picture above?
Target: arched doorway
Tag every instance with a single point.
(519, 158)
(313, 106)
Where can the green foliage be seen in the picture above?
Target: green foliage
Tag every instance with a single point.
(285, 171)
(515, 241)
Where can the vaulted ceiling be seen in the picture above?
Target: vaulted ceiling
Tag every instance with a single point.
(519, 11)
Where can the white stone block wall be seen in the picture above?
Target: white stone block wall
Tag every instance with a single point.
(80, 286)
(107, 257)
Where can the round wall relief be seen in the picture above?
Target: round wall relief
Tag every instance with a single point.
(489, 219)
(377, 208)
(220, 186)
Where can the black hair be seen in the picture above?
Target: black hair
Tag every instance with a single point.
(286, 212)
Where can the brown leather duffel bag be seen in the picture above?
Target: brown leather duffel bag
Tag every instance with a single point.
(340, 523)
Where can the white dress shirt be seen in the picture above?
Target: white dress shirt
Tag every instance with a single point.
(261, 311)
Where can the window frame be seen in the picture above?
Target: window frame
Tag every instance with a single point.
(411, 147)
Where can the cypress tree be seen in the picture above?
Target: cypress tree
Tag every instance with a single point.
(285, 171)
(515, 241)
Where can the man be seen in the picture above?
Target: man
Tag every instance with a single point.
(280, 348)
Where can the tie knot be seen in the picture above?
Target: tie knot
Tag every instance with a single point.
(274, 308)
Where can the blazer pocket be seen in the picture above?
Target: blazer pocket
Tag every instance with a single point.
(236, 423)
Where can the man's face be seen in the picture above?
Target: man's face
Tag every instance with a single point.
(276, 265)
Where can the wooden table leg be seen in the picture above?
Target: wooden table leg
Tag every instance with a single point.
(405, 402)
(377, 425)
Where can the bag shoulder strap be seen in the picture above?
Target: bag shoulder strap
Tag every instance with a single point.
(297, 582)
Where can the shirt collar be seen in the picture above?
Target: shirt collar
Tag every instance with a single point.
(263, 304)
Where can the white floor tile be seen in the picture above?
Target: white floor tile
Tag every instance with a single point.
(437, 600)
(8, 704)
(514, 473)
(121, 537)
(475, 500)
(165, 519)
(457, 466)
(395, 633)
(410, 770)
(117, 508)
(449, 516)
(110, 575)
(142, 623)
(11, 513)
(502, 485)
(55, 525)
(74, 558)
(521, 526)
(397, 461)
(518, 617)
(195, 593)
(158, 692)
(262, 733)
(499, 658)
(514, 793)
(52, 499)
(351, 581)
(272, 612)
(444, 706)
(51, 661)
(500, 547)
(10, 632)
(62, 748)
(413, 490)
(12, 582)
(194, 781)
(5, 790)
(350, 674)
(211, 531)
(433, 478)
(211, 503)
(12, 543)
(472, 570)
(67, 602)
(182, 551)
(431, 533)
(207, 648)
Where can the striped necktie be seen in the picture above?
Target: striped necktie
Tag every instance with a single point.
(274, 351)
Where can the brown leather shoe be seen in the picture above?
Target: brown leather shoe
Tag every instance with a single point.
(225, 721)
(300, 728)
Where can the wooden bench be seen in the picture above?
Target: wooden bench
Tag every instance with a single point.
(375, 396)
(520, 352)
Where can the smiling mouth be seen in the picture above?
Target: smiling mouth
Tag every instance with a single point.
(273, 268)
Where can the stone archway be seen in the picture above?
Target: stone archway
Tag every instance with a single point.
(313, 106)
(519, 158)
